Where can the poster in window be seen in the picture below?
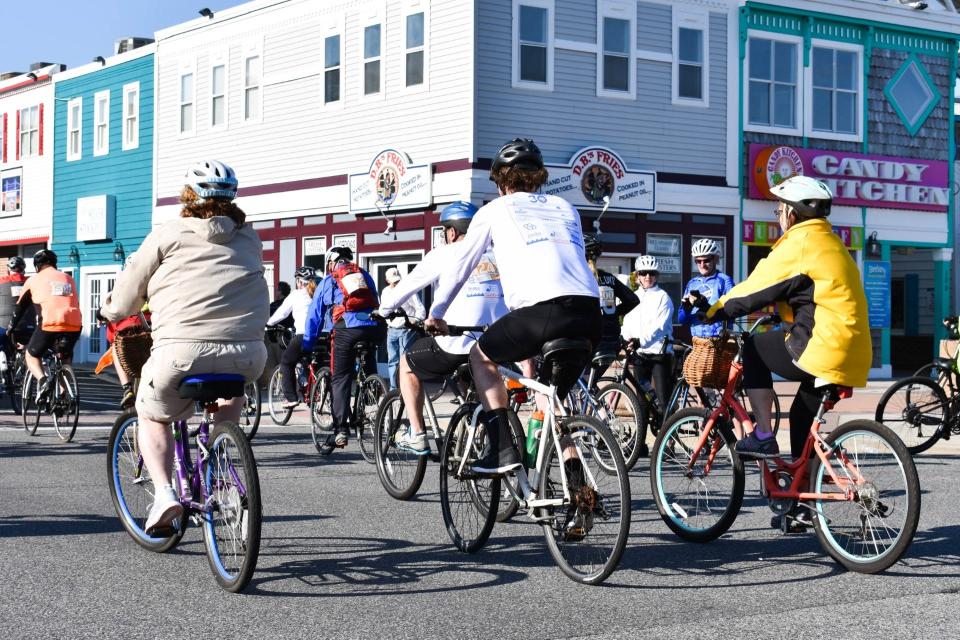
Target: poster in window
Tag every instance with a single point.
(11, 193)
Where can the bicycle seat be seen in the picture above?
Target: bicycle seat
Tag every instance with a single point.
(833, 393)
(563, 362)
(362, 346)
(207, 387)
(603, 360)
(943, 362)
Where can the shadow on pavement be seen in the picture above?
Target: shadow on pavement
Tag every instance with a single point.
(56, 525)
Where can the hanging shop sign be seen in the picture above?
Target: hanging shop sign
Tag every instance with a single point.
(763, 234)
(95, 217)
(391, 183)
(596, 172)
(856, 179)
(876, 285)
(11, 193)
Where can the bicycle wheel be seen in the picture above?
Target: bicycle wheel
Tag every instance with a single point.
(618, 408)
(917, 410)
(66, 405)
(30, 412)
(401, 472)
(275, 399)
(250, 416)
(507, 505)
(872, 531)
(130, 486)
(467, 525)
(231, 528)
(15, 384)
(321, 409)
(587, 536)
(368, 401)
(940, 374)
(699, 503)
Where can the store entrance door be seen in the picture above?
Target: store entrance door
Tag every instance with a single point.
(94, 287)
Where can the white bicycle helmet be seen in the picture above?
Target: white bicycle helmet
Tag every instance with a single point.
(809, 197)
(211, 179)
(705, 247)
(647, 263)
(335, 254)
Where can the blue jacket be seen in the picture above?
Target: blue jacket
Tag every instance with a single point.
(712, 287)
(328, 296)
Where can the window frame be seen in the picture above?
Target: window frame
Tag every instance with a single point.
(187, 69)
(376, 17)
(25, 150)
(75, 102)
(125, 144)
(687, 18)
(334, 28)
(254, 51)
(808, 92)
(101, 97)
(220, 59)
(618, 9)
(515, 80)
(799, 93)
(413, 7)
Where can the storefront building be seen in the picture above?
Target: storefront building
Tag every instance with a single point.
(102, 175)
(26, 161)
(861, 98)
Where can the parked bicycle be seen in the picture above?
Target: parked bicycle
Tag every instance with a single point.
(858, 481)
(61, 402)
(217, 484)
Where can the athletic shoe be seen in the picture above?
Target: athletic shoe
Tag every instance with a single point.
(289, 404)
(497, 462)
(412, 442)
(340, 439)
(165, 514)
(798, 520)
(754, 447)
(42, 389)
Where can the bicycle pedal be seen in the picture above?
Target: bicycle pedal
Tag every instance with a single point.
(195, 519)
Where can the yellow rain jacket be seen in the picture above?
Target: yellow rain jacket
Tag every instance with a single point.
(816, 285)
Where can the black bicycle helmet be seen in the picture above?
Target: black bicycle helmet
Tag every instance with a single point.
(592, 246)
(43, 258)
(16, 263)
(305, 273)
(522, 153)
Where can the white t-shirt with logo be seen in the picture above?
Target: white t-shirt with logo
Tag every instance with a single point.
(538, 247)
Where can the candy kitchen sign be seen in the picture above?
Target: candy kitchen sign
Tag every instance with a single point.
(856, 179)
(392, 182)
(595, 172)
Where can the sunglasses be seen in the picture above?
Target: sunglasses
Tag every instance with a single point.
(703, 260)
(644, 274)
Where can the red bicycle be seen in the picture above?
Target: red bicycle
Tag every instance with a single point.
(858, 481)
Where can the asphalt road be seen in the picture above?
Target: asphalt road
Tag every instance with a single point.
(340, 558)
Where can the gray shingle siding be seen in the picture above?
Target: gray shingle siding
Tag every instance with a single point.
(655, 26)
(576, 20)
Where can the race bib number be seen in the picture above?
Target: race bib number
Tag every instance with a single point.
(16, 290)
(353, 282)
(542, 224)
(61, 289)
(608, 301)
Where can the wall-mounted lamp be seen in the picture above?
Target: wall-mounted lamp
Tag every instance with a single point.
(206, 13)
(74, 255)
(32, 75)
(100, 59)
(119, 255)
(873, 247)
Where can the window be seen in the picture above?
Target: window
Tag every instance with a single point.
(218, 96)
(331, 69)
(186, 102)
(772, 97)
(533, 44)
(74, 130)
(834, 90)
(912, 94)
(691, 58)
(415, 38)
(666, 247)
(131, 116)
(29, 132)
(101, 123)
(616, 54)
(251, 87)
(372, 43)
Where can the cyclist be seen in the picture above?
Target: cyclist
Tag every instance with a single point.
(645, 328)
(349, 294)
(611, 290)
(816, 285)
(52, 295)
(478, 303)
(710, 283)
(204, 270)
(11, 285)
(537, 243)
(294, 306)
(399, 335)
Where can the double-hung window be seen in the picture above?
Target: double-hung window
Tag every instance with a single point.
(616, 20)
(74, 129)
(691, 58)
(331, 69)
(533, 43)
(833, 90)
(372, 48)
(773, 82)
(29, 131)
(252, 69)
(101, 123)
(187, 117)
(218, 95)
(131, 116)
(415, 44)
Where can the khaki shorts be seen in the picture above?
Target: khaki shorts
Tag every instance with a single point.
(171, 362)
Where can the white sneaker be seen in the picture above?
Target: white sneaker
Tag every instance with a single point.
(413, 442)
(165, 513)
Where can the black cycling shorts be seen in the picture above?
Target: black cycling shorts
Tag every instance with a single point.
(522, 333)
(60, 341)
(429, 362)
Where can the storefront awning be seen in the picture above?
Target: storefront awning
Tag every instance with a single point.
(6, 242)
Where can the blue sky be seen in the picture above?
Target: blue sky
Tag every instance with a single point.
(76, 31)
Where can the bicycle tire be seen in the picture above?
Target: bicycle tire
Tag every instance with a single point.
(275, 399)
(922, 404)
(627, 431)
(231, 477)
(321, 410)
(940, 374)
(30, 412)
(401, 472)
(508, 505)
(601, 512)
(68, 401)
(250, 418)
(15, 386)
(845, 539)
(467, 525)
(369, 395)
(130, 487)
(693, 518)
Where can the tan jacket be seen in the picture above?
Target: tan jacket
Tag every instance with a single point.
(204, 280)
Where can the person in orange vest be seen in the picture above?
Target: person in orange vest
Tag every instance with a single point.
(53, 294)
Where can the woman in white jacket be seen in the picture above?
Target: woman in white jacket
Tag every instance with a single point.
(645, 328)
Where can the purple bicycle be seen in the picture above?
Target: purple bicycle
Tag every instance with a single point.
(220, 492)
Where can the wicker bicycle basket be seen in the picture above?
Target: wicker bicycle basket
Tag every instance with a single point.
(133, 348)
(708, 363)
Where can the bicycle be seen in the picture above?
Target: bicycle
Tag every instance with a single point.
(220, 492)
(307, 372)
(61, 402)
(697, 479)
(13, 377)
(585, 520)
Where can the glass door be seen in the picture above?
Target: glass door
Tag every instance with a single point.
(93, 292)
